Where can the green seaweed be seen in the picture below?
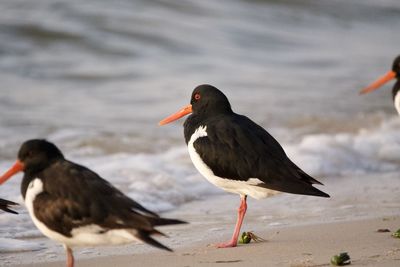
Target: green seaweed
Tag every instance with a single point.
(341, 259)
(396, 234)
(247, 237)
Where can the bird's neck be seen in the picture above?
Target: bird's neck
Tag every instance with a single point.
(191, 124)
(32, 173)
(396, 95)
(25, 183)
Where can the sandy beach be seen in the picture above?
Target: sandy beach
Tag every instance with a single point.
(309, 245)
(299, 231)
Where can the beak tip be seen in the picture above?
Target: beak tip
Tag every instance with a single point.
(17, 167)
(184, 111)
(162, 122)
(379, 82)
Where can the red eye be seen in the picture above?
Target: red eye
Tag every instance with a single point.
(197, 96)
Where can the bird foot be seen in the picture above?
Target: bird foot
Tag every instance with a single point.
(230, 244)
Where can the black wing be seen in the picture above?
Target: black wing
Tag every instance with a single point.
(237, 148)
(78, 196)
(5, 204)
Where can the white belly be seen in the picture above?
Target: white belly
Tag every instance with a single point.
(248, 187)
(397, 102)
(83, 236)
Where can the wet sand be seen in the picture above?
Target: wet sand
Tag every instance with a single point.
(299, 231)
(306, 245)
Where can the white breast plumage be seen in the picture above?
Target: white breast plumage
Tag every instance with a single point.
(248, 187)
(397, 102)
(88, 235)
(35, 187)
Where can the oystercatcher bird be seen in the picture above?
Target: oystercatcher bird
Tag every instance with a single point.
(5, 205)
(392, 74)
(75, 206)
(237, 155)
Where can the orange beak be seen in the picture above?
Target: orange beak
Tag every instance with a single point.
(184, 111)
(378, 83)
(17, 167)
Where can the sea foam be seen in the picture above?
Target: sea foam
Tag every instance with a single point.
(166, 180)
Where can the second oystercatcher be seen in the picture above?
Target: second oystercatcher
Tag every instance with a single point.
(73, 205)
(5, 205)
(390, 75)
(237, 155)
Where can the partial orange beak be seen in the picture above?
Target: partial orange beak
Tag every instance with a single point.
(184, 111)
(378, 83)
(17, 167)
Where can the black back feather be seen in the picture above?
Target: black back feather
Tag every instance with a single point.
(237, 148)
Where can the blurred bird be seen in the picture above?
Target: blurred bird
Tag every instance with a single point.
(73, 205)
(390, 75)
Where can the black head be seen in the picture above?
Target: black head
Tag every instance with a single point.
(208, 99)
(37, 154)
(33, 156)
(396, 66)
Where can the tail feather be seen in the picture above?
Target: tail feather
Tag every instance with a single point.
(8, 210)
(156, 232)
(314, 181)
(164, 221)
(316, 192)
(5, 203)
(310, 181)
(307, 178)
(145, 237)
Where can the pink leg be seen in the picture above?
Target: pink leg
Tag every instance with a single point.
(241, 212)
(70, 256)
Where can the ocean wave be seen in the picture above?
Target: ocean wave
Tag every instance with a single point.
(166, 180)
(368, 150)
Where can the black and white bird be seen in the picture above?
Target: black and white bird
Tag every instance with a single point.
(5, 205)
(237, 155)
(73, 205)
(390, 75)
